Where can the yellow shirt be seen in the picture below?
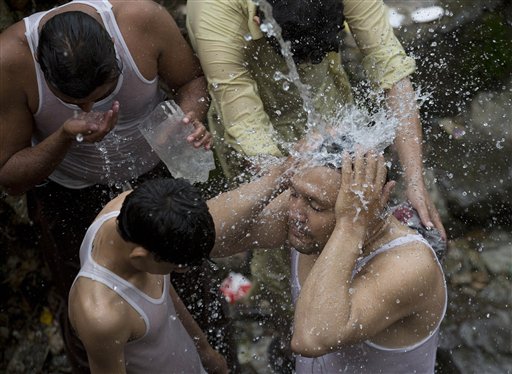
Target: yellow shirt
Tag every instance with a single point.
(255, 114)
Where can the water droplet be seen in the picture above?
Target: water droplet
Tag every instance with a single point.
(79, 138)
(286, 86)
(278, 75)
(248, 37)
(398, 301)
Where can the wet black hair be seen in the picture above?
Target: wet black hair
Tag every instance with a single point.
(313, 27)
(170, 219)
(76, 54)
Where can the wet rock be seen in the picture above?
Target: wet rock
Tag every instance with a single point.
(498, 292)
(30, 354)
(491, 332)
(474, 361)
(490, 116)
(499, 261)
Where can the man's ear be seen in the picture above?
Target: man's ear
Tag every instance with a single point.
(139, 253)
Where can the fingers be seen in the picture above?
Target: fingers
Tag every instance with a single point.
(438, 223)
(359, 167)
(200, 137)
(382, 171)
(346, 170)
(366, 170)
(386, 193)
(430, 218)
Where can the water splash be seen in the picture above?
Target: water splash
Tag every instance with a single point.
(327, 135)
(272, 29)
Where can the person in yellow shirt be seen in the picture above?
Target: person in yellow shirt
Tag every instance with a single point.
(253, 112)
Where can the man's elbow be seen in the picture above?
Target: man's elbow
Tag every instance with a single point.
(11, 189)
(316, 343)
(308, 345)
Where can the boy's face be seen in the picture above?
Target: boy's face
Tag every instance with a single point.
(311, 218)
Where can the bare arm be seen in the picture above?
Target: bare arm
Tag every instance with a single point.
(212, 361)
(350, 310)
(402, 102)
(177, 65)
(102, 328)
(251, 216)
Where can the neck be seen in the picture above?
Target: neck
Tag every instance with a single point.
(112, 252)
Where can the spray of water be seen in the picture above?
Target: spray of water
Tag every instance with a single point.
(351, 125)
(272, 28)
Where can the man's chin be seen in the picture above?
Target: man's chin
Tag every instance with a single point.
(302, 245)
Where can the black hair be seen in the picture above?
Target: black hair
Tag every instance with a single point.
(313, 27)
(76, 54)
(170, 219)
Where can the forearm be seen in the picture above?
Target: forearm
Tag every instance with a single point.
(323, 314)
(31, 165)
(235, 211)
(193, 97)
(193, 329)
(401, 101)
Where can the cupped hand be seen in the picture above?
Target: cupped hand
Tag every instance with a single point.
(92, 127)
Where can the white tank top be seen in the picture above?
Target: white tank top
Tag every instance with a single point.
(367, 357)
(123, 154)
(166, 347)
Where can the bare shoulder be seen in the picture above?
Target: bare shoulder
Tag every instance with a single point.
(15, 58)
(114, 204)
(142, 13)
(97, 313)
(411, 265)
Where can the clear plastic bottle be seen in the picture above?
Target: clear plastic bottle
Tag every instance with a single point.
(167, 135)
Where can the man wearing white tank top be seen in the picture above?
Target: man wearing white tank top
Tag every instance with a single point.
(369, 292)
(122, 304)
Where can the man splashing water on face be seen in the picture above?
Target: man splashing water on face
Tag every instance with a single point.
(369, 292)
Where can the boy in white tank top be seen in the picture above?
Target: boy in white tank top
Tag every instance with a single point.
(122, 304)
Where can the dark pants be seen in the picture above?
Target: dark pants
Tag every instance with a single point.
(62, 216)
